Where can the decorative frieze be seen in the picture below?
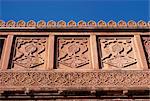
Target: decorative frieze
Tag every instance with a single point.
(65, 80)
(117, 53)
(73, 52)
(29, 53)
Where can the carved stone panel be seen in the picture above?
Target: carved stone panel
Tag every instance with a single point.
(73, 52)
(29, 53)
(146, 43)
(117, 53)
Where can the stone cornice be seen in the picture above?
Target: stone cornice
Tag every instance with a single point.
(72, 24)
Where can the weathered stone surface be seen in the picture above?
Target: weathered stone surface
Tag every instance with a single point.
(73, 52)
(146, 41)
(118, 53)
(75, 80)
(29, 53)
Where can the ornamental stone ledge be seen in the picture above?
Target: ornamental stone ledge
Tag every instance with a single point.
(59, 80)
(72, 24)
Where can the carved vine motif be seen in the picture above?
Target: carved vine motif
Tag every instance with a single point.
(147, 47)
(59, 80)
(117, 53)
(73, 52)
(29, 52)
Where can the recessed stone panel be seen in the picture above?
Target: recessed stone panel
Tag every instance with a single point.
(73, 53)
(29, 53)
(117, 53)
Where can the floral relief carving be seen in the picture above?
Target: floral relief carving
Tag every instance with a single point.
(147, 47)
(73, 52)
(29, 52)
(59, 80)
(117, 53)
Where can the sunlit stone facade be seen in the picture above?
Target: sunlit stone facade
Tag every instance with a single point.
(74, 61)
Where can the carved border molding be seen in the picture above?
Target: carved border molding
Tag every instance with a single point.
(76, 79)
(71, 23)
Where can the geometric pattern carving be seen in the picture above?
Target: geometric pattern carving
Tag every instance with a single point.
(73, 52)
(117, 53)
(66, 80)
(146, 42)
(29, 52)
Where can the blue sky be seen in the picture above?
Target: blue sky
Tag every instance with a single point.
(75, 10)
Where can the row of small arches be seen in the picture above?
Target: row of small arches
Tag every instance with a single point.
(72, 23)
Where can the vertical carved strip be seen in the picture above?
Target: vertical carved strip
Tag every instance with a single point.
(1, 48)
(7, 51)
(50, 60)
(94, 52)
(146, 43)
(140, 52)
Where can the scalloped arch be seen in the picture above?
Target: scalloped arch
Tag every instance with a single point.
(141, 23)
(122, 23)
(21, 23)
(41, 23)
(31, 23)
(2, 23)
(71, 23)
(112, 23)
(51, 23)
(102, 23)
(81, 23)
(61, 23)
(148, 23)
(10, 23)
(132, 23)
(91, 23)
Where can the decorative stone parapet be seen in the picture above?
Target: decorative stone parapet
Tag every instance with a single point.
(73, 24)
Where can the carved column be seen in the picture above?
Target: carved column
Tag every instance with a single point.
(140, 52)
(6, 52)
(94, 52)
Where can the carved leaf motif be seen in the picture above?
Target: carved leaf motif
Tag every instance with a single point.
(29, 52)
(73, 52)
(116, 53)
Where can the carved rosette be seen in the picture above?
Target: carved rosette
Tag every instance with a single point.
(146, 42)
(73, 52)
(29, 53)
(117, 54)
